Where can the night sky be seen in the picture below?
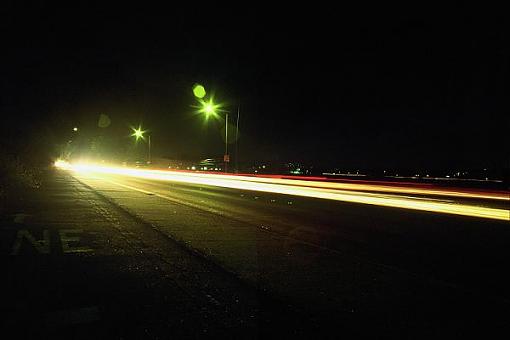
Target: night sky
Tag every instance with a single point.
(327, 87)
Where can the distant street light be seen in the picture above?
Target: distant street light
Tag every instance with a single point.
(65, 148)
(139, 133)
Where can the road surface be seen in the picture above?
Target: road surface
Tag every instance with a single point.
(308, 265)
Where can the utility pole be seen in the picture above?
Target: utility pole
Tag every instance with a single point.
(237, 137)
(225, 157)
(150, 160)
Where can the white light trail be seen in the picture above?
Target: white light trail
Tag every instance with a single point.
(346, 192)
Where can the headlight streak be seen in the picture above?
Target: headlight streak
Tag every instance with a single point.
(358, 186)
(313, 189)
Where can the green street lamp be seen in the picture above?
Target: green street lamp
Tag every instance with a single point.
(139, 134)
(210, 109)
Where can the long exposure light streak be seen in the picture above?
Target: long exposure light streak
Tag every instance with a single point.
(396, 197)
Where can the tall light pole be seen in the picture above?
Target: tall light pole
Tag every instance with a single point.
(237, 137)
(209, 108)
(139, 133)
(150, 160)
(226, 158)
(64, 150)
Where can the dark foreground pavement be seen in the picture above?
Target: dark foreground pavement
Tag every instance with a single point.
(93, 258)
(77, 267)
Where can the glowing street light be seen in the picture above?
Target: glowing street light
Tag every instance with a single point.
(209, 108)
(139, 133)
(75, 129)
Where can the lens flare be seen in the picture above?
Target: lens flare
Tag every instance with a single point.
(199, 91)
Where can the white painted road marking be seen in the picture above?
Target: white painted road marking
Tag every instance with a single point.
(42, 246)
(65, 238)
(68, 240)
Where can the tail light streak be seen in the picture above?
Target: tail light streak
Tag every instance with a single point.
(394, 197)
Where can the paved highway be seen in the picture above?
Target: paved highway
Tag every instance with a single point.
(393, 267)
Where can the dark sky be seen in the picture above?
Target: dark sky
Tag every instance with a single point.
(326, 86)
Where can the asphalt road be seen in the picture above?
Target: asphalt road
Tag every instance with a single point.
(252, 263)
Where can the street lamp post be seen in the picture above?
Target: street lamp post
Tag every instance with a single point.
(210, 109)
(139, 133)
(237, 137)
(225, 157)
(150, 160)
(64, 149)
